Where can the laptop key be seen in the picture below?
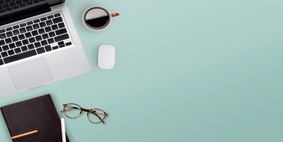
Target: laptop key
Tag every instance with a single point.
(16, 7)
(8, 40)
(25, 42)
(12, 45)
(2, 42)
(28, 35)
(16, 27)
(50, 40)
(57, 14)
(5, 47)
(29, 23)
(40, 50)
(31, 40)
(61, 31)
(36, 26)
(20, 56)
(24, 48)
(43, 19)
(4, 54)
(1, 62)
(44, 42)
(68, 43)
(49, 22)
(2, 36)
(9, 9)
(29, 28)
(57, 20)
(61, 37)
(61, 44)
(48, 29)
(17, 50)
(12, 4)
(11, 52)
(22, 25)
(15, 38)
(61, 25)
(51, 34)
(16, 32)
(31, 46)
(50, 17)
(34, 33)
(22, 5)
(22, 30)
(36, 21)
(41, 31)
(54, 27)
(9, 29)
(42, 24)
(37, 44)
(38, 38)
(45, 36)
(19, 43)
(55, 47)
(48, 48)
(9, 34)
(21, 37)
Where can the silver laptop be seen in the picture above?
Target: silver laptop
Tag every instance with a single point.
(38, 45)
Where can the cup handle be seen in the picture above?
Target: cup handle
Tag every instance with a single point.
(115, 14)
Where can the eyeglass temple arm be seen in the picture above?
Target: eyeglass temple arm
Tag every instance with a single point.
(99, 118)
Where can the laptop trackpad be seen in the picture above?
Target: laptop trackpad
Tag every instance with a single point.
(31, 74)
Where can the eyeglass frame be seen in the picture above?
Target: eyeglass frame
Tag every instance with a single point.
(86, 110)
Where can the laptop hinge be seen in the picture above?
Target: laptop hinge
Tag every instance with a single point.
(25, 14)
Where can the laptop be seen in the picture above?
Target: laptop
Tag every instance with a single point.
(38, 45)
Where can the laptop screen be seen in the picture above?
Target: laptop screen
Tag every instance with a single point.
(8, 7)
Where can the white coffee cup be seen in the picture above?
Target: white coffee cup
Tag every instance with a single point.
(97, 18)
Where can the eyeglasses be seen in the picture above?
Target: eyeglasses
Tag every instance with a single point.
(94, 115)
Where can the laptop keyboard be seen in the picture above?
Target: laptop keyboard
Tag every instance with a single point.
(32, 38)
(9, 5)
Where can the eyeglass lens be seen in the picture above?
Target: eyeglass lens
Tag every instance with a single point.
(72, 110)
(97, 18)
(96, 115)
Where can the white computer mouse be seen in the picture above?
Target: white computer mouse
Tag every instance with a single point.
(106, 57)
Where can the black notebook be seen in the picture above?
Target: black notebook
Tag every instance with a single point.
(36, 119)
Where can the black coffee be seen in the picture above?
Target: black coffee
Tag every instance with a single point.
(97, 18)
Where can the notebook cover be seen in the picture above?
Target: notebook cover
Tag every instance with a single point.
(34, 114)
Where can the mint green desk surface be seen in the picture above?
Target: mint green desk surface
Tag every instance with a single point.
(186, 71)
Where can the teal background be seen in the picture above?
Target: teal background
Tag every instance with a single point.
(186, 70)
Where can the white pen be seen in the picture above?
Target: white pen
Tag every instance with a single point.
(63, 130)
